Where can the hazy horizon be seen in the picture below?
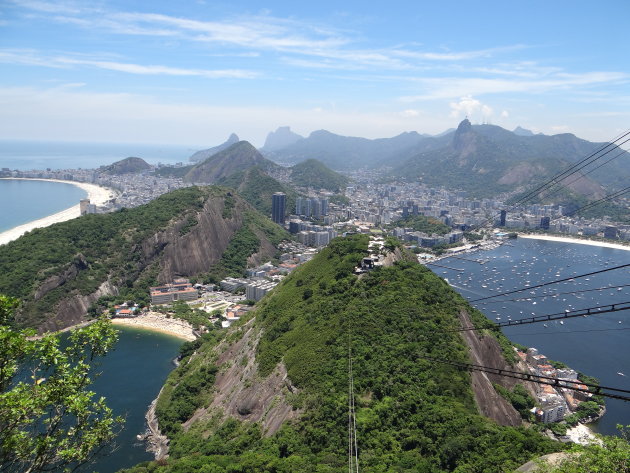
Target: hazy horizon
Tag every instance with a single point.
(193, 72)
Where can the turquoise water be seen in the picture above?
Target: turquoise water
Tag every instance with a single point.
(22, 201)
(131, 377)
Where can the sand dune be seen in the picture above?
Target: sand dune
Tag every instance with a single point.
(97, 195)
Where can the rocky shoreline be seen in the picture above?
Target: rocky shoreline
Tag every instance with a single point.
(156, 442)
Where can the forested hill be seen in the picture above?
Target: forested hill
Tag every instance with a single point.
(271, 395)
(257, 187)
(129, 165)
(486, 160)
(315, 174)
(60, 271)
(237, 157)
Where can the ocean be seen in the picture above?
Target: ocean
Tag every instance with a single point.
(597, 345)
(29, 155)
(23, 201)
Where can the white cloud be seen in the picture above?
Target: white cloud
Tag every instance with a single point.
(560, 128)
(75, 114)
(470, 107)
(409, 113)
(28, 57)
(450, 87)
(505, 114)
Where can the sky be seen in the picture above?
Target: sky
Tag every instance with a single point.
(191, 72)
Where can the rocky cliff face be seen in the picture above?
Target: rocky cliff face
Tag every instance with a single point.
(484, 350)
(201, 247)
(191, 244)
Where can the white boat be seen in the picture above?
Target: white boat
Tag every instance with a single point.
(620, 373)
(562, 322)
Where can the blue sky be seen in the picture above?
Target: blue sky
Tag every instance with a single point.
(191, 72)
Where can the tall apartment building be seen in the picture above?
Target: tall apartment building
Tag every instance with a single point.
(278, 206)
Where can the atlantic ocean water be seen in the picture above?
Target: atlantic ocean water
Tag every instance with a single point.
(28, 155)
(597, 345)
(23, 201)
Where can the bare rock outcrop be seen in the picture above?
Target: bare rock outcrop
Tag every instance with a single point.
(71, 311)
(199, 249)
(485, 350)
(240, 391)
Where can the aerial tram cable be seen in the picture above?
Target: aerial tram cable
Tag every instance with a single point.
(567, 314)
(353, 451)
(529, 288)
(555, 294)
(558, 178)
(607, 198)
(589, 159)
(554, 192)
(577, 331)
(605, 391)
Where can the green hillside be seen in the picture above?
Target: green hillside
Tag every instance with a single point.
(257, 187)
(420, 223)
(315, 174)
(126, 166)
(412, 414)
(236, 158)
(58, 271)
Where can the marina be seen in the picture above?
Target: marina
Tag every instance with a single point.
(596, 345)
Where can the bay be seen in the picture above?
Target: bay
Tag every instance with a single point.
(597, 345)
(131, 378)
(23, 201)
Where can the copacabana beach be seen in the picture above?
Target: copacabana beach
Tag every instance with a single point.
(158, 322)
(97, 195)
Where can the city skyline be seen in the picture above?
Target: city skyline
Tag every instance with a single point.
(194, 72)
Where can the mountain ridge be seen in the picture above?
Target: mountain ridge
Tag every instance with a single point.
(206, 153)
(60, 271)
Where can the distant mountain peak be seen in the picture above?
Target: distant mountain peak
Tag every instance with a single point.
(281, 138)
(206, 153)
(464, 126)
(238, 157)
(520, 131)
(463, 135)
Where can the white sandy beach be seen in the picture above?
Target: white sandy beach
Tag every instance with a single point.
(158, 322)
(581, 434)
(97, 195)
(603, 244)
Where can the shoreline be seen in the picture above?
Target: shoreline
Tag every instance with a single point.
(158, 323)
(578, 241)
(98, 195)
(581, 434)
